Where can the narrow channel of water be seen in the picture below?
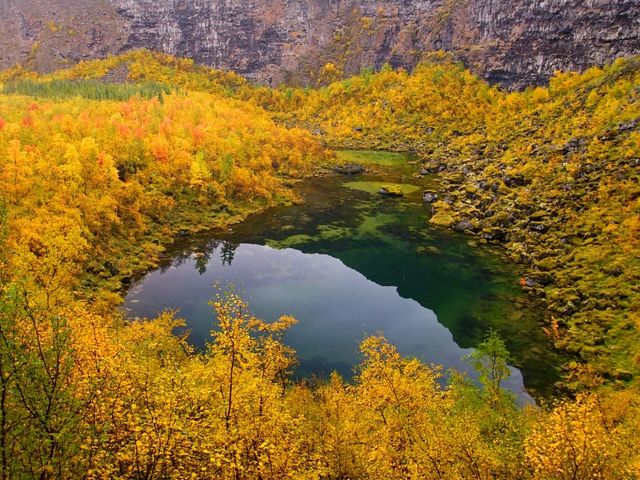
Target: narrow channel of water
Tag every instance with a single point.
(349, 263)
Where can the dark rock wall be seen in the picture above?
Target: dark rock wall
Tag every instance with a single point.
(49, 34)
(534, 38)
(512, 42)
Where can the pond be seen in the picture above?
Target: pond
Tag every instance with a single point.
(349, 262)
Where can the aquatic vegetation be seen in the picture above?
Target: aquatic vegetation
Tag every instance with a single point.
(369, 157)
(291, 241)
(374, 187)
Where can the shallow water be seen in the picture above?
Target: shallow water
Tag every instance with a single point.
(348, 263)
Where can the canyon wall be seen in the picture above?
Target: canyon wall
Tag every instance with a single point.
(511, 42)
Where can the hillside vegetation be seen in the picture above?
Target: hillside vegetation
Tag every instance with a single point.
(552, 174)
(93, 184)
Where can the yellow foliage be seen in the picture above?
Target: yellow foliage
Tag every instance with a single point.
(87, 186)
(587, 438)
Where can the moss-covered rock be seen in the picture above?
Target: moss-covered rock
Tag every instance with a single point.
(442, 219)
(349, 169)
(391, 191)
(376, 187)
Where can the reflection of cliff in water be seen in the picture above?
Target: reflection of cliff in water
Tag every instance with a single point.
(388, 241)
(466, 310)
(468, 292)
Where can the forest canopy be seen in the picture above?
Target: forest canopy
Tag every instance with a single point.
(102, 164)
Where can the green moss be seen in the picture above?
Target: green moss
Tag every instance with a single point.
(330, 232)
(391, 190)
(374, 187)
(442, 219)
(290, 242)
(371, 157)
(372, 224)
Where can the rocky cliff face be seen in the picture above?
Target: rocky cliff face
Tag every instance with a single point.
(513, 42)
(527, 40)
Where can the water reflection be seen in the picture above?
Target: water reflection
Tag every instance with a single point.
(348, 262)
(223, 248)
(336, 306)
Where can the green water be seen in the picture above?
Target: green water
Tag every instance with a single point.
(350, 262)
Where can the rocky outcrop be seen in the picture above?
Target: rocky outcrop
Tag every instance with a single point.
(49, 34)
(525, 41)
(512, 42)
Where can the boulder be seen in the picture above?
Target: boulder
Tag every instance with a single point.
(575, 144)
(456, 178)
(494, 234)
(111, 268)
(538, 227)
(485, 185)
(463, 225)
(433, 167)
(442, 219)
(429, 196)
(541, 278)
(391, 191)
(623, 375)
(349, 169)
(511, 181)
(629, 126)
(471, 192)
(528, 282)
